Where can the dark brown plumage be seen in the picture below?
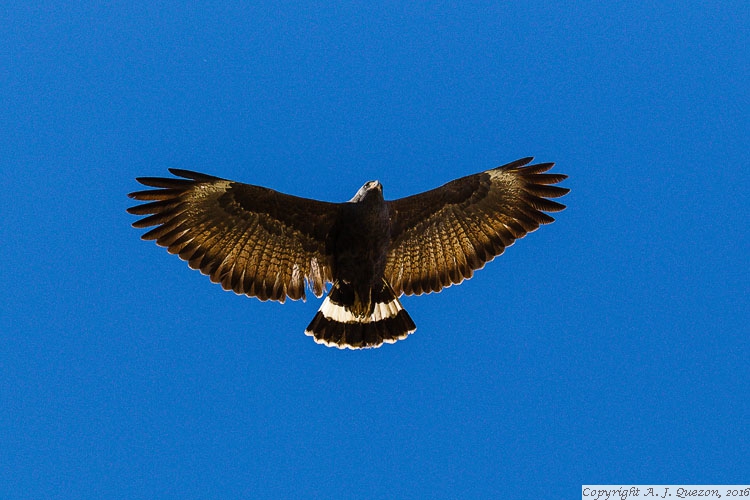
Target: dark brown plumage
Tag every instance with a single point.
(262, 243)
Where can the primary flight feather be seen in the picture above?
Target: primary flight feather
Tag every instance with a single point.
(261, 243)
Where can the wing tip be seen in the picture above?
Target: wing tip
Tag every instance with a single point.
(518, 163)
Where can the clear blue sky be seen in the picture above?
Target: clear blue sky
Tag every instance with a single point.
(609, 347)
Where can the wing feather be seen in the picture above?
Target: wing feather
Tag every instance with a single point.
(252, 240)
(441, 237)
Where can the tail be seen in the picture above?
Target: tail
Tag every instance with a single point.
(335, 325)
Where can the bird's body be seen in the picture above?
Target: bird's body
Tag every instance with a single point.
(361, 309)
(258, 242)
(359, 241)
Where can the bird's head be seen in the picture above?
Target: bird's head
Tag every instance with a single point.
(369, 189)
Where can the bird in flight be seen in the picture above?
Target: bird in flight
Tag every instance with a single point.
(262, 243)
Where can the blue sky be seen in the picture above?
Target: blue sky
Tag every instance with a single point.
(610, 347)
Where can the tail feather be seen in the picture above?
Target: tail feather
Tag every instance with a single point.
(337, 325)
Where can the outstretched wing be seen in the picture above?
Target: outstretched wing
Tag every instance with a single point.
(252, 240)
(441, 236)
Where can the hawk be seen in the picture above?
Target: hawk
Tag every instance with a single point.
(262, 243)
